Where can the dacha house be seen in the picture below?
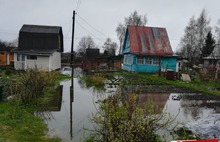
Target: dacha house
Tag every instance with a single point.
(39, 46)
(147, 49)
(6, 56)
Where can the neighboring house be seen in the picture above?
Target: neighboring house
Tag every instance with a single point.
(147, 49)
(6, 56)
(39, 46)
(182, 65)
(212, 62)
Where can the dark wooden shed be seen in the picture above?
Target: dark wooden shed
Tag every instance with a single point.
(38, 37)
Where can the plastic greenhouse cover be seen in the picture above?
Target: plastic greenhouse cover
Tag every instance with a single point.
(206, 128)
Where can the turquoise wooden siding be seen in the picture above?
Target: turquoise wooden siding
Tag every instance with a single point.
(169, 62)
(126, 47)
(131, 63)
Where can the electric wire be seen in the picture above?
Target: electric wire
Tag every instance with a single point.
(91, 26)
(67, 34)
(3, 32)
(89, 31)
(78, 5)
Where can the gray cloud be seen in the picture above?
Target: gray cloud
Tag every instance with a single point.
(102, 14)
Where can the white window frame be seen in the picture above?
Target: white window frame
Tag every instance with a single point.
(156, 61)
(149, 61)
(140, 60)
(31, 57)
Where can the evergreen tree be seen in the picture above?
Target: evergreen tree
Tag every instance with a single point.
(191, 45)
(209, 45)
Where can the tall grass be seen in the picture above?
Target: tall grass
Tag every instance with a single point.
(29, 85)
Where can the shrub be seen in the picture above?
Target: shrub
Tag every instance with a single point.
(96, 80)
(7, 72)
(123, 119)
(29, 85)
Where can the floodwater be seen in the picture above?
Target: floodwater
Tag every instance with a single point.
(68, 119)
(69, 122)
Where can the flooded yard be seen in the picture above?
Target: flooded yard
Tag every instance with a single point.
(68, 122)
(72, 116)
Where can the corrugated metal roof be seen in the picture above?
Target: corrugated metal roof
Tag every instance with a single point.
(149, 41)
(40, 29)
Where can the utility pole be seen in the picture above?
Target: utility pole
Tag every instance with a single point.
(72, 80)
(72, 44)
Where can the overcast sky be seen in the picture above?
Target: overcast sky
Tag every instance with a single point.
(99, 18)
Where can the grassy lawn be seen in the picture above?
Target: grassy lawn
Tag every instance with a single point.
(207, 87)
(19, 125)
(17, 120)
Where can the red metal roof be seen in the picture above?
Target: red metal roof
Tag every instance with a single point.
(149, 41)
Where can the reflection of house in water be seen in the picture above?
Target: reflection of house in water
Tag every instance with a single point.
(193, 104)
(55, 102)
(159, 100)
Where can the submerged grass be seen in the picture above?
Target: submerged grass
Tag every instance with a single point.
(207, 87)
(17, 124)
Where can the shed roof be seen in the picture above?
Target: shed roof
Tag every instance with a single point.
(149, 41)
(47, 52)
(40, 37)
(40, 29)
(215, 53)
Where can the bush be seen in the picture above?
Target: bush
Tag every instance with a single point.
(7, 72)
(123, 119)
(29, 85)
(96, 80)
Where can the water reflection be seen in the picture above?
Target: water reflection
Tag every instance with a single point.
(195, 104)
(76, 103)
(68, 123)
(159, 100)
(54, 103)
(71, 107)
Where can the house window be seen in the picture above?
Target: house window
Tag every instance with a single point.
(32, 57)
(20, 57)
(149, 60)
(127, 59)
(140, 60)
(156, 61)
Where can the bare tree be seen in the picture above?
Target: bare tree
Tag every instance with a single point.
(3, 44)
(188, 42)
(203, 28)
(84, 43)
(133, 19)
(192, 43)
(110, 47)
(217, 32)
(13, 43)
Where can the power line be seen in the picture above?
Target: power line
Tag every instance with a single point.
(78, 5)
(92, 26)
(67, 34)
(88, 31)
(3, 32)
